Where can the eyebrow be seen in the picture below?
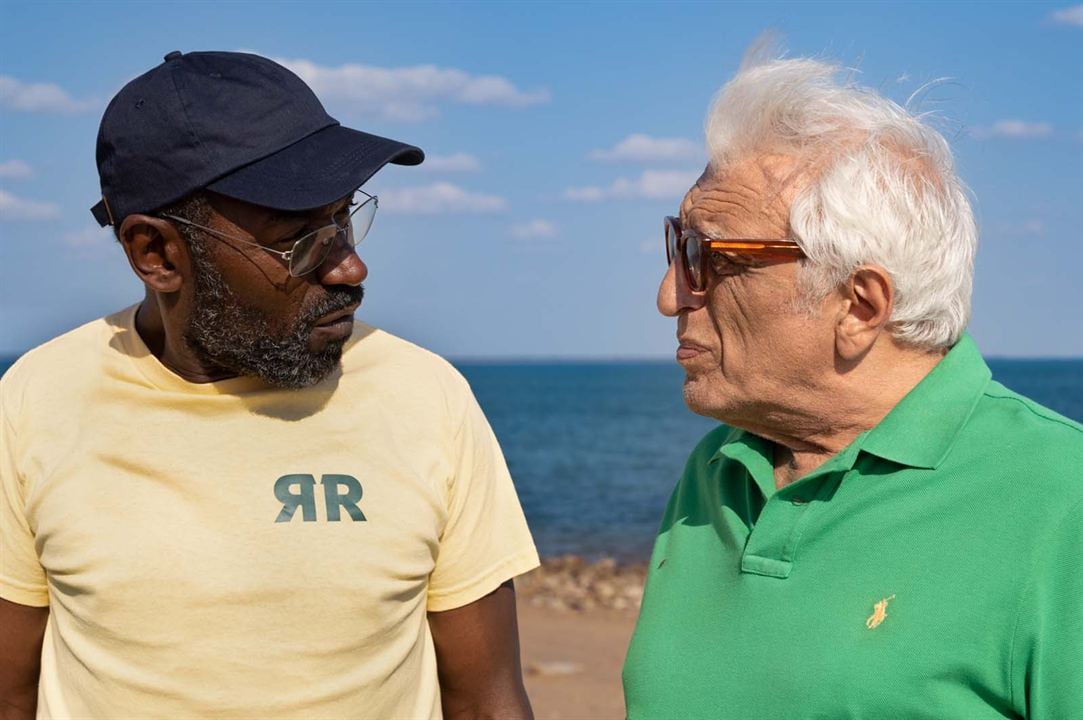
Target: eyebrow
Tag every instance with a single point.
(286, 217)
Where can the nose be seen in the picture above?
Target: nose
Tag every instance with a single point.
(674, 295)
(342, 266)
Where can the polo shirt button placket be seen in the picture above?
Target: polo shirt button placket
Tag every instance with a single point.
(773, 540)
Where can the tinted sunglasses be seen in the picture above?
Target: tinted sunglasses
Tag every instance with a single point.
(693, 250)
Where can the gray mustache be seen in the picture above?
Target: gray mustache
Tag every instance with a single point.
(335, 300)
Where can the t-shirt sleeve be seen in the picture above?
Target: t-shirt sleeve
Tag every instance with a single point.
(1047, 662)
(22, 579)
(485, 539)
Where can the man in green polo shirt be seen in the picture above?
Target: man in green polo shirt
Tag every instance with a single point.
(882, 531)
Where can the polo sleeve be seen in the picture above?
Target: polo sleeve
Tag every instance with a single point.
(485, 540)
(1048, 646)
(22, 579)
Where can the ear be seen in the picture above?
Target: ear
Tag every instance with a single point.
(156, 251)
(868, 299)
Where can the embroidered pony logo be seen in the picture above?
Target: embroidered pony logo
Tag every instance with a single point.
(879, 613)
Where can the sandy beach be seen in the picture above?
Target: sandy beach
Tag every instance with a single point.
(575, 620)
(572, 661)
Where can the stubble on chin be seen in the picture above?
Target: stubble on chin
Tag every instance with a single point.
(696, 393)
(226, 333)
(707, 393)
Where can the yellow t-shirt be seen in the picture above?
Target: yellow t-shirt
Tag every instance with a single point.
(234, 550)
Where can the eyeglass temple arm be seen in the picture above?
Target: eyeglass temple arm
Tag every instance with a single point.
(766, 247)
(284, 254)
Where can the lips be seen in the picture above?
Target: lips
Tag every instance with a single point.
(688, 349)
(341, 315)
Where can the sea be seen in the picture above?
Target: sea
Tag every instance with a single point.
(595, 448)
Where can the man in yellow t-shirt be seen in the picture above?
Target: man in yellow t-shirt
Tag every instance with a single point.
(231, 499)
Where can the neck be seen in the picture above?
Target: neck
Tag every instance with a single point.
(829, 417)
(162, 333)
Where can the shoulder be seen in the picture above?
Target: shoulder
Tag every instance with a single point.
(373, 349)
(57, 367)
(1023, 456)
(1030, 414)
(58, 352)
(403, 369)
(1030, 434)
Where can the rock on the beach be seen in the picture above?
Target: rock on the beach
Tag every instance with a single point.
(553, 668)
(569, 582)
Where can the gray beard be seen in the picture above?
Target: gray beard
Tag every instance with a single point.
(226, 333)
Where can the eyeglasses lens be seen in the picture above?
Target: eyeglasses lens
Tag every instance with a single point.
(361, 220)
(692, 263)
(671, 241)
(310, 251)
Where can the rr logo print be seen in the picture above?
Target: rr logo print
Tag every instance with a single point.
(340, 492)
(879, 613)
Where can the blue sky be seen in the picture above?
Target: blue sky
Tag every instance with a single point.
(558, 135)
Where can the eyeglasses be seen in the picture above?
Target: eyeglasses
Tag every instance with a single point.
(310, 250)
(694, 251)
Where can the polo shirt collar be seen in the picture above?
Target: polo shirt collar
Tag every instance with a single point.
(923, 427)
(754, 453)
(918, 432)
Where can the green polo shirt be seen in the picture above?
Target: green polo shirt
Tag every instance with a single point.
(932, 569)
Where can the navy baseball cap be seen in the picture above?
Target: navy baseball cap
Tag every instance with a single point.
(236, 124)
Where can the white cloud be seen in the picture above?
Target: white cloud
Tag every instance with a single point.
(1030, 228)
(90, 237)
(16, 208)
(1014, 129)
(640, 147)
(458, 162)
(650, 185)
(15, 169)
(1069, 16)
(585, 194)
(1034, 227)
(534, 229)
(40, 97)
(438, 199)
(408, 93)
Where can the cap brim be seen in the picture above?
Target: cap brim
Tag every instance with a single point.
(324, 167)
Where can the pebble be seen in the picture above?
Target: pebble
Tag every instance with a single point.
(569, 582)
(553, 668)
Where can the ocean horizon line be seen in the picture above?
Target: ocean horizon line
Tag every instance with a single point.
(630, 359)
(666, 359)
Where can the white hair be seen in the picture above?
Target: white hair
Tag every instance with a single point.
(874, 185)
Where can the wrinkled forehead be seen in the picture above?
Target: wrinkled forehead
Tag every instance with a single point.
(747, 198)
